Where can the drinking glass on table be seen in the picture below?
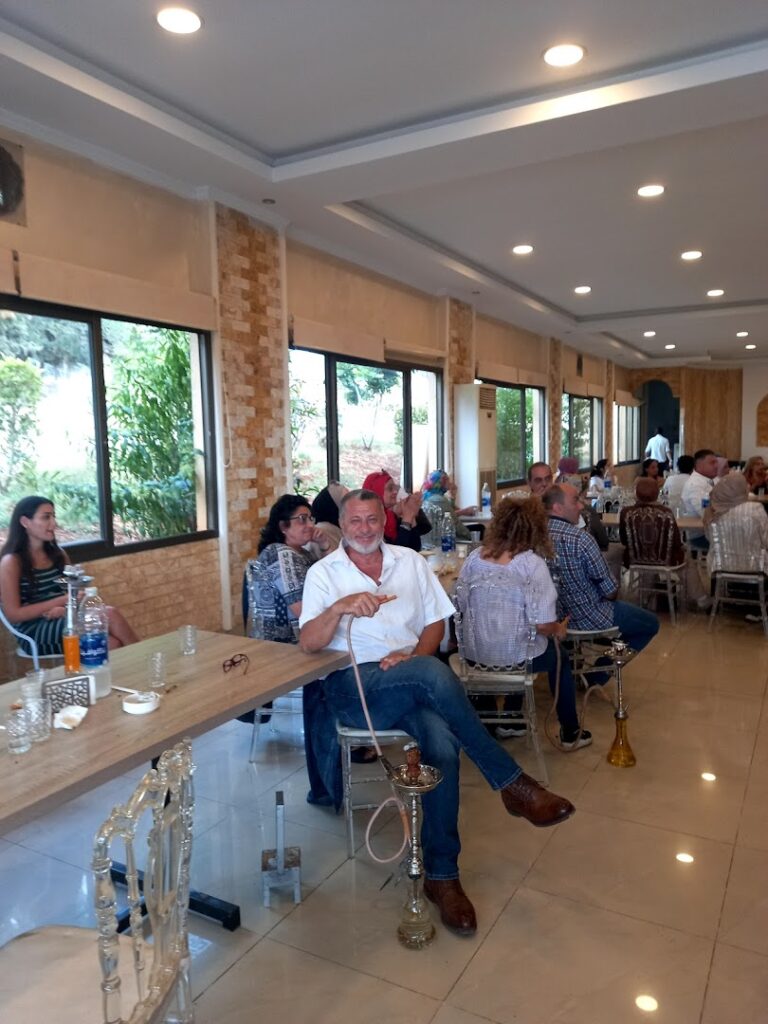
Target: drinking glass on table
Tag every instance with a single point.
(156, 670)
(188, 639)
(16, 725)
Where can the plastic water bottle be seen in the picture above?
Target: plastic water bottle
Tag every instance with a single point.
(485, 501)
(448, 535)
(94, 640)
(607, 483)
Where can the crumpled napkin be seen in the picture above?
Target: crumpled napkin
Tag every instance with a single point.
(69, 717)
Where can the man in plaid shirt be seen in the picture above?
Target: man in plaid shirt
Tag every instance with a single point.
(586, 587)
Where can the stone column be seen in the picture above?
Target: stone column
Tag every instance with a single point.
(555, 402)
(459, 363)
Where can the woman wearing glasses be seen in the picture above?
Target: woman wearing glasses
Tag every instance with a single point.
(275, 580)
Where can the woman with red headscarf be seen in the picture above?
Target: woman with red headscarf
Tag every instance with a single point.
(406, 523)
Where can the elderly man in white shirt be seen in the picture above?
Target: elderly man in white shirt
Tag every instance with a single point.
(398, 609)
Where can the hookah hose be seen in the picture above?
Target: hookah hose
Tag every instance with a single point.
(394, 798)
(555, 697)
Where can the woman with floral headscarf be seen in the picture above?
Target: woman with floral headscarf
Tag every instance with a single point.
(405, 523)
(439, 491)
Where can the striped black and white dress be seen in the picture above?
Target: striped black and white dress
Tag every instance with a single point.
(45, 632)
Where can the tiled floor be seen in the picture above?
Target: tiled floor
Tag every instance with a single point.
(574, 923)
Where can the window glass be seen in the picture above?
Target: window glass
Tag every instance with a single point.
(510, 433)
(582, 425)
(47, 429)
(309, 438)
(370, 421)
(425, 427)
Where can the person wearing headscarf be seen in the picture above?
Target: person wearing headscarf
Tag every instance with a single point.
(439, 491)
(405, 523)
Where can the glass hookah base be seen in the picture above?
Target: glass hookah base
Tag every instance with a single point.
(415, 929)
(620, 755)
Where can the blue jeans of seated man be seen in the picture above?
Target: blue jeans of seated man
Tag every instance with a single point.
(425, 698)
(567, 715)
(638, 626)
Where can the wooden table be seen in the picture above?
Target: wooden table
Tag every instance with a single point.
(109, 742)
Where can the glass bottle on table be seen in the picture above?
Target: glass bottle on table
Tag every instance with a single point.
(70, 638)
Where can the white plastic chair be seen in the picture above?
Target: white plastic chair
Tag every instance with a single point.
(736, 561)
(349, 738)
(32, 652)
(53, 973)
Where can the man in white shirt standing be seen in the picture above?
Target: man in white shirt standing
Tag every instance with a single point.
(696, 492)
(658, 448)
(398, 610)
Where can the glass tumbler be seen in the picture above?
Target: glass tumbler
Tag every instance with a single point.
(188, 639)
(39, 718)
(16, 724)
(156, 671)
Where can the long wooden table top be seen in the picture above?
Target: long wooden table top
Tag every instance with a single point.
(109, 742)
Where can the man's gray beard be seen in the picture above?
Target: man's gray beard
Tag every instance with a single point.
(364, 549)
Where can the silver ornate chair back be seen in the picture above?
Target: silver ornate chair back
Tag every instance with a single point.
(737, 563)
(495, 675)
(53, 973)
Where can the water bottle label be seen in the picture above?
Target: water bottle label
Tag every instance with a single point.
(94, 650)
(448, 544)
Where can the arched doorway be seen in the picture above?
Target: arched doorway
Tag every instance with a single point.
(660, 408)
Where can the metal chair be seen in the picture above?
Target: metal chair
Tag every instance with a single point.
(52, 973)
(496, 680)
(585, 649)
(349, 738)
(736, 563)
(653, 548)
(32, 653)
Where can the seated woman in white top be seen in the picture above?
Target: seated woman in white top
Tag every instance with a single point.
(744, 524)
(508, 589)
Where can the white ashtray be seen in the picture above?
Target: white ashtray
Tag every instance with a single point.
(141, 703)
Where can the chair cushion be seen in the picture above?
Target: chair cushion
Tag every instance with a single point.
(53, 974)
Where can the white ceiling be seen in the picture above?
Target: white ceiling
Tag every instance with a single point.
(424, 140)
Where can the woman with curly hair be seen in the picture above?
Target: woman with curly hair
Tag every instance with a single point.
(507, 586)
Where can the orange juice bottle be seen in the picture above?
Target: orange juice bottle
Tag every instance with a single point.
(70, 639)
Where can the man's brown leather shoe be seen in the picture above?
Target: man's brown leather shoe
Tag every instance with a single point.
(456, 911)
(525, 798)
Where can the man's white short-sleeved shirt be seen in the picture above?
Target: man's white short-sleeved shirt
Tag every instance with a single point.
(397, 625)
(696, 488)
(657, 448)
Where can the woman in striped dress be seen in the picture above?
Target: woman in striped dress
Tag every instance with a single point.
(31, 563)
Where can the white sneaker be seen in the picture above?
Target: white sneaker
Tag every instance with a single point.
(584, 740)
(511, 731)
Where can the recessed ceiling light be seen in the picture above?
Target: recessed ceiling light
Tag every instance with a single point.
(180, 20)
(669, 346)
(268, 202)
(715, 293)
(564, 55)
(522, 250)
(649, 191)
(649, 334)
(475, 291)
(582, 289)
(742, 334)
(684, 858)
(691, 254)
(708, 776)
(750, 347)
(647, 1003)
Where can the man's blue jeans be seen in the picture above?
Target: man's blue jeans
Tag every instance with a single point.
(425, 698)
(638, 626)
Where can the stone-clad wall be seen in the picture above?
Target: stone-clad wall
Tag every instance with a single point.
(253, 359)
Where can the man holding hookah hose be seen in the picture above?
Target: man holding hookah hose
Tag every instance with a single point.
(399, 608)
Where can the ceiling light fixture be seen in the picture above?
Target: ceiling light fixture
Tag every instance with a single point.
(750, 347)
(742, 334)
(669, 346)
(684, 858)
(564, 55)
(649, 334)
(691, 254)
(268, 202)
(179, 20)
(646, 1003)
(582, 289)
(708, 776)
(522, 250)
(715, 293)
(650, 191)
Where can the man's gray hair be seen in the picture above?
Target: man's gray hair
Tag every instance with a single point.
(554, 495)
(361, 494)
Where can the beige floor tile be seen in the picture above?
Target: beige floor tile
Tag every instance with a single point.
(738, 988)
(453, 1015)
(549, 959)
(214, 951)
(744, 920)
(667, 793)
(753, 827)
(669, 708)
(276, 983)
(365, 919)
(631, 869)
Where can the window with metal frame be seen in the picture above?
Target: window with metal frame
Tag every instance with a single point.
(519, 431)
(582, 429)
(350, 418)
(626, 433)
(112, 420)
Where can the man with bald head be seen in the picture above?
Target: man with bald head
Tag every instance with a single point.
(587, 589)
